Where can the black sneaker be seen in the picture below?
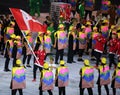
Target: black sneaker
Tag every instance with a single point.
(73, 61)
(7, 70)
(56, 63)
(2, 53)
(80, 59)
(28, 66)
(69, 62)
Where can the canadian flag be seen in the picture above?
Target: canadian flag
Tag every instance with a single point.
(27, 22)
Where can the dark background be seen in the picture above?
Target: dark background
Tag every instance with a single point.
(22, 4)
(6, 4)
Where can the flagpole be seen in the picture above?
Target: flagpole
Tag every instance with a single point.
(98, 20)
(31, 49)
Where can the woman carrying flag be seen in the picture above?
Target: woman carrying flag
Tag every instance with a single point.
(40, 54)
